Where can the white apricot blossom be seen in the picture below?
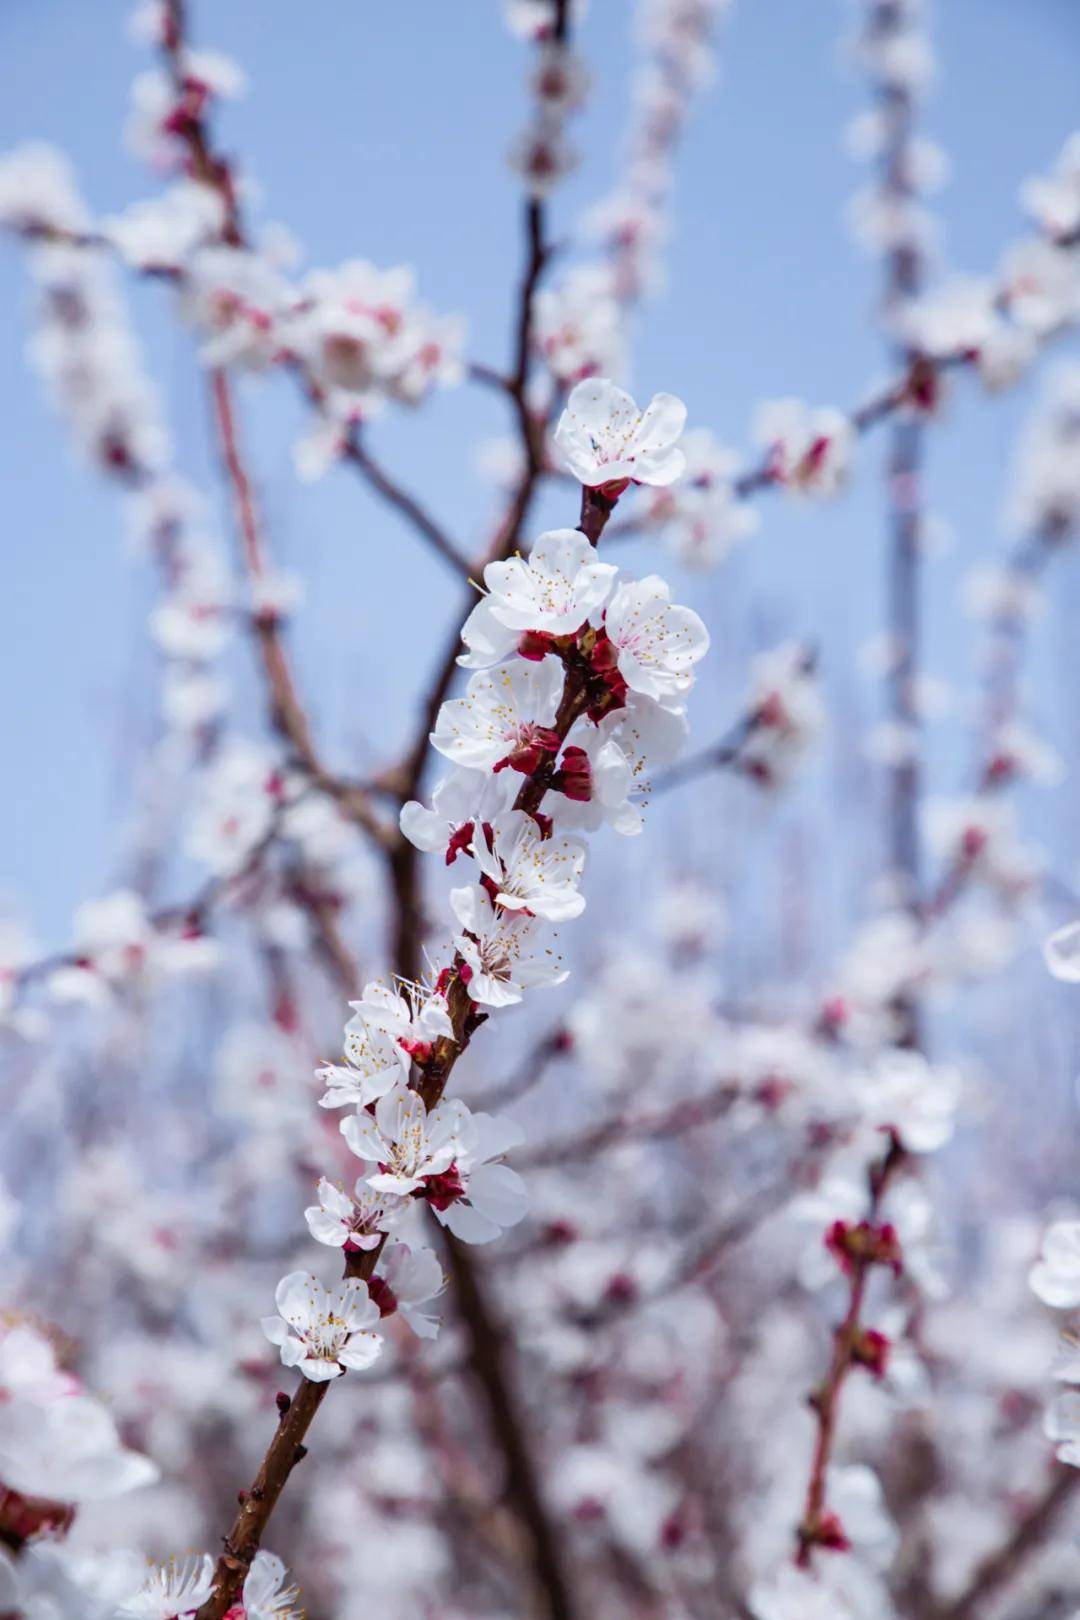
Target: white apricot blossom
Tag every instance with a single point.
(555, 589)
(461, 799)
(410, 1280)
(492, 1196)
(657, 642)
(407, 1143)
(528, 872)
(174, 1590)
(605, 440)
(502, 950)
(809, 449)
(504, 719)
(322, 1333)
(357, 1222)
(1055, 1276)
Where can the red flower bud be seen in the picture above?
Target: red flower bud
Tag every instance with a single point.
(574, 776)
(535, 644)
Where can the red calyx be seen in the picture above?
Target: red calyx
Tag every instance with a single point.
(973, 843)
(826, 1531)
(459, 842)
(604, 659)
(419, 1051)
(771, 712)
(443, 1190)
(834, 1015)
(556, 1234)
(574, 776)
(535, 645)
(533, 743)
(870, 1349)
(621, 1289)
(1000, 768)
(383, 1295)
(867, 1244)
(924, 384)
(812, 462)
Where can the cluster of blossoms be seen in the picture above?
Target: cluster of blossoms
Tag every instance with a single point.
(1055, 1280)
(578, 685)
(357, 334)
(675, 38)
(90, 362)
(558, 83)
(893, 49)
(999, 323)
(653, 1373)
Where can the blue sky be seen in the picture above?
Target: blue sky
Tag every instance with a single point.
(381, 132)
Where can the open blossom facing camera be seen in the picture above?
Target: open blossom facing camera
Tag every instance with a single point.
(656, 643)
(552, 592)
(447, 1157)
(505, 719)
(356, 1223)
(323, 1333)
(408, 1144)
(607, 442)
(522, 870)
(504, 951)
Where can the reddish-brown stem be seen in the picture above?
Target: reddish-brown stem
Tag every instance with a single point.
(287, 713)
(825, 1401)
(356, 452)
(1000, 1568)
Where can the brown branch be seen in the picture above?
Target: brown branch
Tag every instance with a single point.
(861, 1256)
(686, 1115)
(287, 713)
(410, 508)
(997, 1571)
(488, 1347)
(246, 1534)
(532, 1069)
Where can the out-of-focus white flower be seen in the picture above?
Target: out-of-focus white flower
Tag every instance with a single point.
(916, 1099)
(1062, 952)
(810, 450)
(1055, 1276)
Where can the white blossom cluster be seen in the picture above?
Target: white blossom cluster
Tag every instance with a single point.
(578, 686)
(558, 83)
